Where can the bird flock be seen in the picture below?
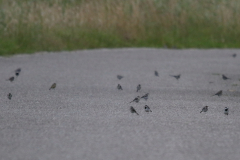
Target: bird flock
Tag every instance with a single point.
(177, 77)
(138, 88)
(11, 79)
(145, 97)
(17, 73)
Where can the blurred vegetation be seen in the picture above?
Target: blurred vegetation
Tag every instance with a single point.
(28, 26)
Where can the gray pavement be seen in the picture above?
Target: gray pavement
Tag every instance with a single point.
(87, 118)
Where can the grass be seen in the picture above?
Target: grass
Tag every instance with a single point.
(28, 26)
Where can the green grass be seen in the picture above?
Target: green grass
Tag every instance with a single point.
(28, 26)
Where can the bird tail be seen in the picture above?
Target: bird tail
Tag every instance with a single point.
(137, 113)
(201, 111)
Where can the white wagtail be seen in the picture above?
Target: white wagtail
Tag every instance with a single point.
(9, 96)
(156, 73)
(132, 110)
(225, 77)
(119, 87)
(138, 87)
(147, 108)
(119, 77)
(17, 71)
(145, 96)
(226, 110)
(53, 86)
(234, 55)
(176, 76)
(219, 93)
(11, 79)
(137, 99)
(204, 109)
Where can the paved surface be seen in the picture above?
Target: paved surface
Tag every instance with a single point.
(87, 118)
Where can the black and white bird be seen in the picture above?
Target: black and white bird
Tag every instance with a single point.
(204, 109)
(53, 86)
(11, 79)
(137, 99)
(119, 77)
(176, 76)
(219, 93)
(132, 110)
(138, 87)
(226, 110)
(9, 96)
(156, 73)
(17, 71)
(145, 96)
(119, 87)
(234, 55)
(225, 77)
(147, 108)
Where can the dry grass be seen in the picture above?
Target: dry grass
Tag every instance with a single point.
(30, 25)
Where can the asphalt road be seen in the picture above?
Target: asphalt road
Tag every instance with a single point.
(87, 118)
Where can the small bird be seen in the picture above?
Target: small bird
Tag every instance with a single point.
(225, 77)
(147, 108)
(145, 96)
(11, 79)
(176, 76)
(119, 77)
(219, 93)
(53, 86)
(226, 110)
(132, 110)
(119, 87)
(138, 87)
(17, 71)
(204, 109)
(137, 99)
(156, 73)
(234, 55)
(9, 96)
